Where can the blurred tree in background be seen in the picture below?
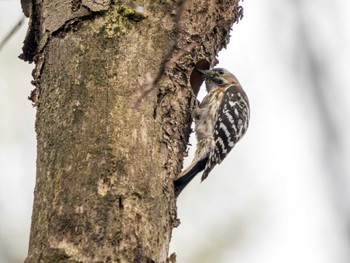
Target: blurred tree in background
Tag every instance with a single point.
(284, 193)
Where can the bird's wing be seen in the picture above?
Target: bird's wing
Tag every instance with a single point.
(230, 126)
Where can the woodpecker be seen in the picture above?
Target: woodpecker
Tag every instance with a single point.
(221, 120)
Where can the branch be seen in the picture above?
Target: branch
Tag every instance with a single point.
(166, 59)
(12, 32)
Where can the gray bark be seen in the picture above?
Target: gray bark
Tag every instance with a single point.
(104, 189)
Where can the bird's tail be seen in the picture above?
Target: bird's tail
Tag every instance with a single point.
(188, 174)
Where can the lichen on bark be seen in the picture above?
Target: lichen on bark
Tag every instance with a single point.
(104, 189)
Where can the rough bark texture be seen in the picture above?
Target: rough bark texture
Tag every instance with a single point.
(104, 189)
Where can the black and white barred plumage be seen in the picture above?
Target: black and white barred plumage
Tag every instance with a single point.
(221, 120)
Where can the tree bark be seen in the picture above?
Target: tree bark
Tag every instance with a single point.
(104, 189)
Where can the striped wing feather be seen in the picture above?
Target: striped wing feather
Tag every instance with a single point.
(229, 127)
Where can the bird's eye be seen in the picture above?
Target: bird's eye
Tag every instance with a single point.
(221, 72)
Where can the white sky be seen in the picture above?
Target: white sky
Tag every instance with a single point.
(273, 199)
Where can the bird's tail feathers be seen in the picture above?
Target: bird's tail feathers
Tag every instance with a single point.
(188, 174)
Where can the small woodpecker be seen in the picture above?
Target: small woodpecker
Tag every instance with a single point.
(221, 120)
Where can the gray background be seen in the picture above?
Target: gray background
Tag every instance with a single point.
(282, 195)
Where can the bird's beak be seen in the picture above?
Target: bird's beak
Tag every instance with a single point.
(206, 74)
(202, 71)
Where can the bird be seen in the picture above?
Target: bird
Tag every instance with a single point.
(221, 119)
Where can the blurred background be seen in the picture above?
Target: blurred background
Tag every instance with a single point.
(282, 195)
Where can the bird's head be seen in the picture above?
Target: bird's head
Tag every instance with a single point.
(217, 77)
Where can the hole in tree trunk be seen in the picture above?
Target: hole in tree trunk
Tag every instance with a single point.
(196, 79)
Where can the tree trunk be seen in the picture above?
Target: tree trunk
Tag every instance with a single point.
(104, 189)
